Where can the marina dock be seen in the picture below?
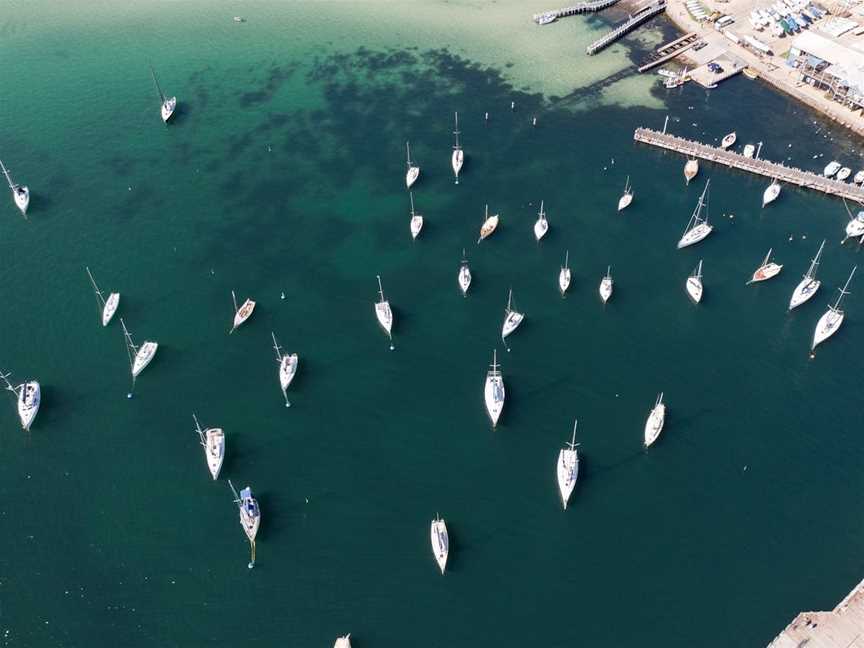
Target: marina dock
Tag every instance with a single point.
(842, 627)
(781, 172)
(579, 8)
(669, 51)
(642, 15)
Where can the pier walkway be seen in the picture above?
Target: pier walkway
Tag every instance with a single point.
(669, 51)
(765, 168)
(642, 15)
(579, 8)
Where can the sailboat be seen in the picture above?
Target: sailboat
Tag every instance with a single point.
(243, 313)
(697, 227)
(109, 306)
(489, 225)
(691, 169)
(213, 442)
(830, 322)
(694, 284)
(568, 468)
(440, 542)
(343, 642)
(606, 284)
(458, 156)
(771, 193)
(20, 193)
(564, 274)
(250, 516)
(809, 284)
(413, 171)
(139, 358)
(384, 314)
(512, 318)
(728, 140)
(855, 226)
(542, 225)
(416, 219)
(654, 424)
(464, 275)
(767, 270)
(287, 368)
(493, 391)
(29, 397)
(627, 197)
(168, 105)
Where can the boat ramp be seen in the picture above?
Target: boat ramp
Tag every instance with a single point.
(781, 172)
(669, 51)
(644, 14)
(579, 8)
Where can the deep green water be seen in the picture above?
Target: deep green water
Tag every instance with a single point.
(283, 171)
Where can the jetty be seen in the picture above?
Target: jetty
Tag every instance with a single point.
(781, 172)
(669, 51)
(579, 8)
(644, 14)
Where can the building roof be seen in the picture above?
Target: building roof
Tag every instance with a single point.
(846, 63)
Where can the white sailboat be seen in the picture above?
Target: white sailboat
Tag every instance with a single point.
(29, 396)
(691, 169)
(809, 284)
(568, 468)
(287, 368)
(728, 140)
(656, 419)
(627, 197)
(139, 357)
(694, 284)
(250, 514)
(458, 156)
(168, 105)
(564, 274)
(20, 193)
(698, 227)
(413, 171)
(830, 322)
(512, 318)
(767, 270)
(606, 284)
(213, 442)
(416, 219)
(108, 306)
(384, 313)
(464, 275)
(243, 313)
(440, 542)
(771, 193)
(493, 391)
(855, 226)
(343, 642)
(542, 225)
(489, 225)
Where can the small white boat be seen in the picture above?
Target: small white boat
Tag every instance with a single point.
(546, 18)
(108, 306)
(139, 357)
(691, 170)
(512, 318)
(20, 193)
(809, 284)
(542, 225)
(767, 270)
(384, 313)
(627, 197)
(29, 396)
(728, 140)
(859, 177)
(464, 275)
(343, 642)
(493, 391)
(568, 468)
(749, 149)
(490, 223)
(288, 363)
(250, 514)
(239, 19)
(168, 105)
(416, 219)
(770, 194)
(241, 314)
(694, 284)
(698, 227)
(440, 542)
(855, 227)
(564, 274)
(413, 171)
(830, 322)
(844, 173)
(831, 168)
(656, 419)
(458, 156)
(606, 285)
(213, 442)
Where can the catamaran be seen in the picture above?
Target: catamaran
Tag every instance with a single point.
(413, 171)
(809, 284)
(488, 226)
(564, 274)
(243, 313)
(108, 306)
(20, 193)
(250, 514)
(464, 275)
(440, 542)
(568, 468)
(512, 318)
(139, 358)
(287, 368)
(384, 314)
(698, 227)
(625, 200)
(771, 193)
(691, 169)
(458, 156)
(654, 424)
(542, 225)
(29, 396)
(343, 642)
(416, 219)
(694, 284)
(728, 140)
(213, 442)
(830, 322)
(831, 168)
(493, 391)
(606, 284)
(767, 270)
(168, 105)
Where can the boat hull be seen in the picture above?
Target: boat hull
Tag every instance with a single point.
(243, 313)
(464, 279)
(384, 316)
(411, 176)
(144, 357)
(567, 473)
(214, 450)
(694, 235)
(564, 280)
(624, 201)
(489, 226)
(803, 292)
(770, 194)
(110, 308)
(691, 170)
(694, 289)
(766, 272)
(511, 323)
(456, 161)
(21, 198)
(416, 226)
(540, 228)
(827, 326)
(167, 109)
(287, 370)
(654, 424)
(605, 289)
(494, 396)
(29, 399)
(440, 543)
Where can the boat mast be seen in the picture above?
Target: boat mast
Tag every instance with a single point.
(408, 151)
(495, 371)
(572, 443)
(843, 291)
(767, 256)
(627, 185)
(158, 89)
(9, 387)
(814, 263)
(276, 347)
(380, 289)
(200, 433)
(237, 499)
(509, 299)
(95, 287)
(702, 202)
(456, 132)
(411, 196)
(567, 259)
(12, 185)
(131, 351)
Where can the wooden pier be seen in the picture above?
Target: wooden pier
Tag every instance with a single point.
(669, 51)
(642, 15)
(579, 8)
(781, 172)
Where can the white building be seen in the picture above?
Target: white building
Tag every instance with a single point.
(834, 67)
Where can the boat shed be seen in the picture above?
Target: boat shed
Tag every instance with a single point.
(834, 67)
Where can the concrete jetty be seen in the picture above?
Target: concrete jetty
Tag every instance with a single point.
(644, 14)
(572, 10)
(842, 627)
(669, 51)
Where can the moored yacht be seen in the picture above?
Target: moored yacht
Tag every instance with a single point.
(771, 193)
(464, 275)
(627, 197)
(698, 227)
(656, 419)
(691, 169)
(168, 105)
(728, 140)
(767, 270)
(859, 177)
(29, 396)
(416, 219)
(542, 225)
(413, 171)
(831, 168)
(241, 314)
(343, 642)
(489, 225)
(808, 286)
(108, 306)
(844, 173)
(606, 285)
(384, 314)
(512, 318)
(564, 274)
(694, 284)
(458, 156)
(830, 322)
(855, 227)
(139, 357)
(20, 193)
(250, 514)
(493, 391)
(440, 542)
(288, 363)
(213, 442)
(749, 149)
(568, 468)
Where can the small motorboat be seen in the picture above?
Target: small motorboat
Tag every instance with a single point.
(728, 140)
(831, 168)
(691, 170)
(844, 173)
(765, 271)
(749, 150)
(859, 177)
